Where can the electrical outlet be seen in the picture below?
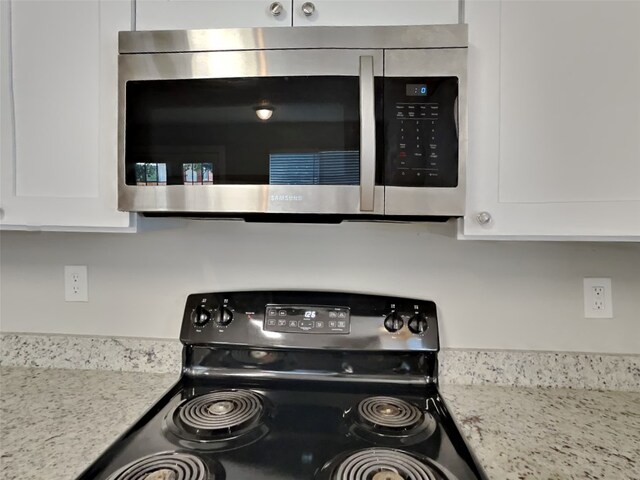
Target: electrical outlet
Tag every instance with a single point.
(76, 287)
(598, 298)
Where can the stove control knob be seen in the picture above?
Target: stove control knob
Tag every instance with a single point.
(201, 316)
(224, 316)
(393, 322)
(418, 323)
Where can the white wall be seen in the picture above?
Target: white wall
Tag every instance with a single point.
(511, 295)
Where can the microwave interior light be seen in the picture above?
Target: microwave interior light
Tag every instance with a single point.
(264, 113)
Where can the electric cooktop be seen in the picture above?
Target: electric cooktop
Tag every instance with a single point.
(299, 385)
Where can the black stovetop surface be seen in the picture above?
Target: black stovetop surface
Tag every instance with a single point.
(308, 424)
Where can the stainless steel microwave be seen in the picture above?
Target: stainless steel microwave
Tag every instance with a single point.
(348, 121)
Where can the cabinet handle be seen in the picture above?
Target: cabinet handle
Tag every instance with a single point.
(367, 135)
(308, 8)
(276, 9)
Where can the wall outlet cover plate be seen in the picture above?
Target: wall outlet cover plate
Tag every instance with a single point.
(598, 298)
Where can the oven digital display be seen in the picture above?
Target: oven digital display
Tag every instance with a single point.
(307, 319)
(416, 90)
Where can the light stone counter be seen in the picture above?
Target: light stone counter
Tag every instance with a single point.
(550, 433)
(55, 422)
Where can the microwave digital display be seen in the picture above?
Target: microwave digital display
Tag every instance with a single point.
(416, 90)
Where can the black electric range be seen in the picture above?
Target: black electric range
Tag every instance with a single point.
(299, 385)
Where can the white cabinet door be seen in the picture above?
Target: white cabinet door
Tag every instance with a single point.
(195, 14)
(59, 111)
(374, 12)
(554, 127)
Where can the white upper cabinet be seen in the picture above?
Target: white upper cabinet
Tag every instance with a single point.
(554, 105)
(59, 110)
(375, 12)
(194, 14)
(190, 14)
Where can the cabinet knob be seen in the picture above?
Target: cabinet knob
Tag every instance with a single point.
(483, 218)
(276, 9)
(308, 8)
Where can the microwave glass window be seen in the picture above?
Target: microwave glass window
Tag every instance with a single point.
(269, 130)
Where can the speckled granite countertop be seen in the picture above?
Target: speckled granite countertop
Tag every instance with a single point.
(54, 422)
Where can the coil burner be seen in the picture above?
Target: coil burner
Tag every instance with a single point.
(389, 412)
(219, 420)
(221, 411)
(165, 466)
(391, 421)
(387, 464)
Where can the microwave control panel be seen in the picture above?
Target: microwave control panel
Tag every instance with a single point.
(421, 136)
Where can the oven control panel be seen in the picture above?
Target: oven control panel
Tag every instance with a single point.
(421, 136)
(310, 320)
(307, 319)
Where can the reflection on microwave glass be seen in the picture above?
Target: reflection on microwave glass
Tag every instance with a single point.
(151, 173)
(335, 167)
(197, 173)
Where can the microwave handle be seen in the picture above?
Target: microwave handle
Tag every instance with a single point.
(367, 135)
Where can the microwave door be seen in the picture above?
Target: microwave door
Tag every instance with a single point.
(269, 131)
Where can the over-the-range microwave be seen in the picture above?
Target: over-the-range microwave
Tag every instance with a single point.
(356, 122)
